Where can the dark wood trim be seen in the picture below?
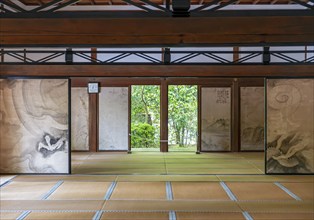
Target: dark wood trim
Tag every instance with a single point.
(93, 122)
(94, 53)
(199, 81)
(157, 70)
(235, 122)
(115, 81)
(162, 31)
(24, 55)
(199, 119)
(164, 115)
(129, 117)
(236, 53)
(2, 56)
(243, 82)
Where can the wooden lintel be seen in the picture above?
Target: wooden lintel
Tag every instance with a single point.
(161, 31)
(157, 70)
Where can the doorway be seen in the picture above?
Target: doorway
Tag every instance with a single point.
(145, 118)
(182, 118)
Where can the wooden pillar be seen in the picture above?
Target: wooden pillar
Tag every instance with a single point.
(129, 118)
(94, 54)
(93, 122)
(199, 119)
(164, 115)
(2, 56)
(236, 54)
(235, 125)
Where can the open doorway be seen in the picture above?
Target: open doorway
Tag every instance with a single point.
(145, 118)
(182, 118)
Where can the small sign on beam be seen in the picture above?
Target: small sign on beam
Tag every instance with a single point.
(93, 87)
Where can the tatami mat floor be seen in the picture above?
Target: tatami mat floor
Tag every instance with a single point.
(167, 163)
(155, 196)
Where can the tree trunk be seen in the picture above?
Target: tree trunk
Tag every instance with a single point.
(147, 117)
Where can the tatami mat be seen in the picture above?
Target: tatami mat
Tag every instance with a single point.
(265, 178)
(9, 215)
(140, 190)
(214, 171)
(81, 190)
(60, 215)
(168, 163)
(25, 190)
(278, 206)
(282, 216)
(208, 206)
(257, 191)
(122, 171)
(135, 215)
(209, 215)
(5, 178)
(55, 178)
(198, 191)
(303, 190)
(51, 204)
(198, 178)
(136, 186)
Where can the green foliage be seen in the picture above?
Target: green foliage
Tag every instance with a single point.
(146, 105)
(143, 136)
(146, 111)
(182, 114)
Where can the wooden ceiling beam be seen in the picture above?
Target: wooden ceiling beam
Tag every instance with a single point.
(157, 70)
(164, 31)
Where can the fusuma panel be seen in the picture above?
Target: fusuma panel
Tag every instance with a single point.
(290, 126)
(215, 119)
(34, 126)
(252, 118)
(113, 118)
(79, 119)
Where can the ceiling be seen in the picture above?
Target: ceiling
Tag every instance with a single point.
(161, 2)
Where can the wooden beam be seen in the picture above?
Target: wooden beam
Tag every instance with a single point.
(161, 31)
(114, 81)
(157, 70)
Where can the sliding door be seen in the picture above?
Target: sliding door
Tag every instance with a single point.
(252, 118)
(215, 119)
(79, 119)
(114, 119)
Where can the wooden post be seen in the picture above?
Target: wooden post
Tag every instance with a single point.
(93, 122)
(235, 133)
(164, 115)
(94, 54)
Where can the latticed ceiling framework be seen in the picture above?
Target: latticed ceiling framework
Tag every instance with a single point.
(163, 2)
